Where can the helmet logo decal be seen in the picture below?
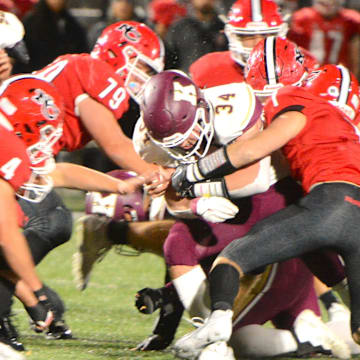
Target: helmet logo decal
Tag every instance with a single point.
(185, 93)
(47, 104)
(299, 57)
(129, 32)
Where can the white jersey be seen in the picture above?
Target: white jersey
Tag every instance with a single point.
(235, 110)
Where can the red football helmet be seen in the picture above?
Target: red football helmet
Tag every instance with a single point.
(177, 116)
(33, 109)
(249, 18)
(117, 207)
(337, 85)
(274, 63)
(134, 51)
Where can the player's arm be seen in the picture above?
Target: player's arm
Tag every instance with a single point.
(79, 177)
(242, 152)
(13, 243)
(211, 208)
(104, 129)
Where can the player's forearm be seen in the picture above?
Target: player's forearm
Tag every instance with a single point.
(19, 259)
(124, 155)
(82, 178)
(13, 244)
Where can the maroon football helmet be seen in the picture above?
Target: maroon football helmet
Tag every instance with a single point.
(118, 207)
(337, 85)
(175, 112)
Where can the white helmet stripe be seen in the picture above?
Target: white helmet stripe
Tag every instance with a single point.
(256, 13)
(270, 60)
(344, 85)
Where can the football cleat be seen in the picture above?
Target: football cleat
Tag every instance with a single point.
(92, 246)
(217, 328)
(218, 350)
(9, 335)
(338, 312)
(58, 330)
(8, 353)
(311, 331)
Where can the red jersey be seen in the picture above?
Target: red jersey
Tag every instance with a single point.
(78, 76)
(216, 68)
(327, 39)
(14, 161)
(328, 147)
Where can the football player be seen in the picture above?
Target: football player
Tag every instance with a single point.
(325, 160)
(329, 31)
(114, 220)
(248, 22)
(96, 89)
(33, 110)
(193, 243)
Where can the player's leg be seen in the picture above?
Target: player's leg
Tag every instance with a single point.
(97, 234)
(290, 232)
(49, 224)
(8, 333)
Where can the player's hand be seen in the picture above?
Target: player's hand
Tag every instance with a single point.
(130, 185)
(148, 300)
(180, 182)
(154, 342)
(215, 209)
(40, 317)
(158, 181)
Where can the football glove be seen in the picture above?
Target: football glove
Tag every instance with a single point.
(215, 209)
(148, 300)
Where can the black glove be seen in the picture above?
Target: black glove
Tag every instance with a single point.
(154, 342)
(148, 300)
(180, 183)
(40, 316)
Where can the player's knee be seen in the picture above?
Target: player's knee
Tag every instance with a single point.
(60, 226)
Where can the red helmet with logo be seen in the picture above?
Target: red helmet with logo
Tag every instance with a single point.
(274, 63)
(174, 111)
(33, 109)
(134, 51)
(128, 207)
(337, 85)
(250, 18)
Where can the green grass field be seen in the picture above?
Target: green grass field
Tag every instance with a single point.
(104, 320)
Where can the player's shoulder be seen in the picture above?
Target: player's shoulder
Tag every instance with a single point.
(85, 63)
(235, 90)
(211, 68)
(305, 13)
(350, 15)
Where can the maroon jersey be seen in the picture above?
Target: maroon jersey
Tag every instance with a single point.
(217, 68)
(327, 39)
(78, 76)
(327, 149)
